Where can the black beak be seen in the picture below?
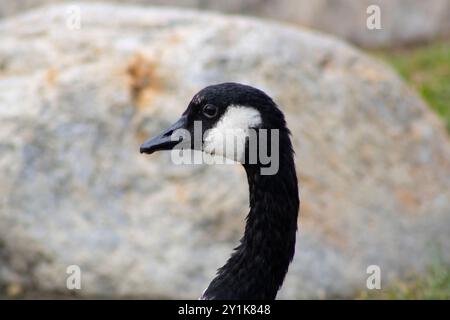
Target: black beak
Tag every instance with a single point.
(164, 141)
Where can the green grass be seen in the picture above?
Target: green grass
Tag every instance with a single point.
(433, 285)
(427, 69)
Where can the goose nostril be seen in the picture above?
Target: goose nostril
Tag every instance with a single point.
(164, 140)
(168, 133)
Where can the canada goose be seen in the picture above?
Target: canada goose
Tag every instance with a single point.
(258, 265)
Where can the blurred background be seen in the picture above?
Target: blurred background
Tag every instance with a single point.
(366, 92)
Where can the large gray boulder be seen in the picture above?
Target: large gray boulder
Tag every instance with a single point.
(403, 22)
(373, 161)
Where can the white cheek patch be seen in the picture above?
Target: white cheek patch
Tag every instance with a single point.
(228, 137)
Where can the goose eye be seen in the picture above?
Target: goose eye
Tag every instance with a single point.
(210, 111)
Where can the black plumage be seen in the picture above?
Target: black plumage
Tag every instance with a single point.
(258, 265)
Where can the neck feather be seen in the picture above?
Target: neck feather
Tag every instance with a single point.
(257, 267)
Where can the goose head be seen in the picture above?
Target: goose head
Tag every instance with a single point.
(221, 120)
